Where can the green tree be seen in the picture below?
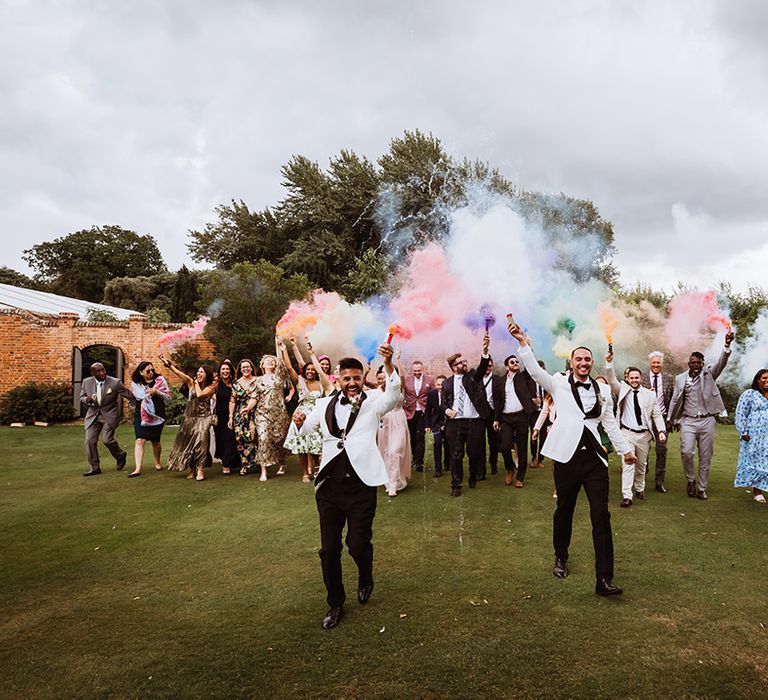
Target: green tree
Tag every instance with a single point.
(10, 276)
(140, 293)
(246, 303)
(367, 277)
(80, 263)
(183, 296)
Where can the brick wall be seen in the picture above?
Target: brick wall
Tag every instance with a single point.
(35, 348)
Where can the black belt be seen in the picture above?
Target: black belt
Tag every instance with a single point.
(515, 413)
(641, 432)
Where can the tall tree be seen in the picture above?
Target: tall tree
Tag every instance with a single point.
(183, 296)
(17, 279)
(246, 303)
(80, 263)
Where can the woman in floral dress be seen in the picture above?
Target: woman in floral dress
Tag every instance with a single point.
(307, 447)
(752, 423)
(270, 416)
(241, 417)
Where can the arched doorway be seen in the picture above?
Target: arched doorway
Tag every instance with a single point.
(110, 356)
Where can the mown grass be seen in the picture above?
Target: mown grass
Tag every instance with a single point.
(160, 587)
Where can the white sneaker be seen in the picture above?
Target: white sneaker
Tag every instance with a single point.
(263, 477)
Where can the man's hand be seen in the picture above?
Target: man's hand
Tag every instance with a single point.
(609, 357)
(517, 333)
(486, 343)
(299, 418)
(629, 458)
(729, 336)
(496, 426)
(386, 352)
(451, 413)
(662, 437)
(537, 402)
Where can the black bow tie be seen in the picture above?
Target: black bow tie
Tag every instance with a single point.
(344, 401)
(586, 385)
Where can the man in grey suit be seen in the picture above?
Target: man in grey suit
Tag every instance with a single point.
(100, 395)
(695, 403)
(662, 384)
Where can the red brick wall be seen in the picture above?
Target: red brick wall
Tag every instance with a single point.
(40, 349)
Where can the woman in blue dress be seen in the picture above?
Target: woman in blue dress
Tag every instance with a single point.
(752, 423)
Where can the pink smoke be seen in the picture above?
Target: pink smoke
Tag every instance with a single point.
(691, 314)
(169, 342)
(303, 315)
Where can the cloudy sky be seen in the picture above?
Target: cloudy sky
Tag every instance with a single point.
(147, 114)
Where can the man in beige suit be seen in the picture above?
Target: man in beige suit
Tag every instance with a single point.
(639, 414)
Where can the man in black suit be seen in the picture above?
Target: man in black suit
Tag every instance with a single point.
(466, 410)
(662, 384)
(434, 418)
(538, 441)
(492, 436)
(514, 394)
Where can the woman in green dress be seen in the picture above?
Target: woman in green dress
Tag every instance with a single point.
(241, 416)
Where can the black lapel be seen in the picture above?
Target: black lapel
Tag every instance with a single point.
(575, 392)
(330, 417)
(596, 410)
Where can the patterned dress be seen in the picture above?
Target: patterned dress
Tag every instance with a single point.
(270, 418)
(305, 444)
(245, 430)
(752, 419)
(190, 449)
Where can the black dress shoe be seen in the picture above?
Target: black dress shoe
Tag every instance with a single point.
(481, 477)
(604, 586)
(626, 502)
(661, 488)
(332, 617)
(456, 491)
(640, 496)
(702, 495)
(472, 482)
(121, 461)
(494, 470)
(561, 568)
(419, 467)
(93, 472)
(363, 593)
(437, 475)
(691, 489)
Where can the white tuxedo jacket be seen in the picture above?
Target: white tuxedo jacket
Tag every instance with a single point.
(360, 441)
(649, 404)
(565, 434)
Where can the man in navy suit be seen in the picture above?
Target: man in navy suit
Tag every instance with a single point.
(435, 420)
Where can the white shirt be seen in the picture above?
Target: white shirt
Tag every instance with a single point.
(659, 391)
(628, 417)
(469, 408)
(511, 402)
(417, 385)
(488, 383)
(99, 391)
(587, 396)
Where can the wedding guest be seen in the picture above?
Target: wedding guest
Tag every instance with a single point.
(270, 416)
(393, 439)
(695, 402)
(226, 444)
(307, 447)
(662, 384)
(752, 423)
(192, 444)
(544, 421)
(466, 410)
(491, 434)
(152, 393)
(435, 422)
(538, 441)
(100, 393)
(417, 388)
(241, 417)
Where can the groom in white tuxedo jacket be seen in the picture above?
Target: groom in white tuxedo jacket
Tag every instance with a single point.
(573, 442)
(350, 471)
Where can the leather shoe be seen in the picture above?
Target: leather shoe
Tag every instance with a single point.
(481, 477)
(605, 586)
(702, 495)
(661, 488)
(121, 461)
(93, 472)
(472, 482)
(640, 496)
(561, 568)
(363, 593)
(420, 468)
(456, 491)
(332, 617)
(437, 475)
(691, 489)
(518, 484)
(494, 470)
(626, 502)
(509, 478)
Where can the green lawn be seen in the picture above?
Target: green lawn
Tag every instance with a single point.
(162, 587)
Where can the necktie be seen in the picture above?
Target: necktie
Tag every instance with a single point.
(99, 386)
(638, 413)
(656, 383)
(459, 397)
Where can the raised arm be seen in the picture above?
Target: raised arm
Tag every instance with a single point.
(484, 359)
(543, 378)
(321, 375)
(283, 353)
(171, 366)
